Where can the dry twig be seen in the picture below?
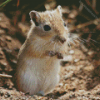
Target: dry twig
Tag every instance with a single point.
(94, 4)
(7, 76)
(4, 3)
(89, 4)
(96, 21)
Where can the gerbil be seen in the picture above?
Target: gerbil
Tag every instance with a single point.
(38, 65)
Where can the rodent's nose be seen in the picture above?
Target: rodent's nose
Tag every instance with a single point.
(60, 38)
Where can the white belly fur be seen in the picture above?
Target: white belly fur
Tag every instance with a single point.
(40, 75)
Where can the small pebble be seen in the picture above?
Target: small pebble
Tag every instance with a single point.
(14, 61)
(67, 76)
(71, 51)
(5, 96)
(90, 53)
(66, 86)
(76, 60)
(60, 84)
(72, 96)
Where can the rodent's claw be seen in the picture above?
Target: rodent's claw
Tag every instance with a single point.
(50, 53)
(59, 55)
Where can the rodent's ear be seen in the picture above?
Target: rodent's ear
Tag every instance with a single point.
(59, 9)
(35, 17)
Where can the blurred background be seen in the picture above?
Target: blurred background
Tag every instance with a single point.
(82, 18)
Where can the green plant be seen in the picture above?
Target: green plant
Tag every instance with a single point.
(4, 3)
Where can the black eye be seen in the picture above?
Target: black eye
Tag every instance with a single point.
(64, 24)
(47, 28)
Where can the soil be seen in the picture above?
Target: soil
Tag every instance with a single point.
(80, 70)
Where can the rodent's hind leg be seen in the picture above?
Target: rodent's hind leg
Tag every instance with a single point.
(40, 93)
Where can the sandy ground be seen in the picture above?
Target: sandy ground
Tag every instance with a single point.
(80, 77)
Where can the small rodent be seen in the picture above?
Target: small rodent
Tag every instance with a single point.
(39, 58)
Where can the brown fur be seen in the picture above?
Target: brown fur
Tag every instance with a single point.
(36, 71)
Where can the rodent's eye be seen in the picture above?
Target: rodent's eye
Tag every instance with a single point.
(64, 24)
(47, 28)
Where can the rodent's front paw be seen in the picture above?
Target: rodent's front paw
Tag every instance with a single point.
(59, 55)
(50, 53)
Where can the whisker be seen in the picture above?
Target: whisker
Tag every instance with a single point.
(94, 41)
(73, 41)
(69, 45)
(81, 40)
(87, 41)
(68, 42)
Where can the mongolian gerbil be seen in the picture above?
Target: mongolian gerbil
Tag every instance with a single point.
(39, 58)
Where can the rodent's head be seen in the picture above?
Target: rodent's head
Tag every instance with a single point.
(49, 25)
